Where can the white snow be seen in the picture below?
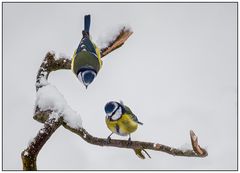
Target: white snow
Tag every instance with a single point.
(185, 147)
(52, 52)
(110, 35)
(48, 97)
(156, 145)
(42, 131)
(31, 140)
(72, 118)
(62, 55)
(25, 153)
(84, 135)
(55, 115)
(44, 73)
(43, 82)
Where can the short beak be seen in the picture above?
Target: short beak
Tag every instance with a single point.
(86, 86)
(108, 117)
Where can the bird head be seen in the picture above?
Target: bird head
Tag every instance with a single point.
(114, 110)
(86, 75)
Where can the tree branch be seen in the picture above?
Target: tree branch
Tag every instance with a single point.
(52, 120)
(29, 155)
(195, 146)
(123, 35)
(135, 144)
(196, 152)
(49, 64)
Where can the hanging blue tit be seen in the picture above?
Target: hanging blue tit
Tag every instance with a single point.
(86, 61)
(120, 119)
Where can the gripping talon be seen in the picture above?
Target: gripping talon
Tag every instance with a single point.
(129, 141)
(108, 140)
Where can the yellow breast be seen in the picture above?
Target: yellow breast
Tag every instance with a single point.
(124, 126)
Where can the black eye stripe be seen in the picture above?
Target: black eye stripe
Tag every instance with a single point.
(115, 111)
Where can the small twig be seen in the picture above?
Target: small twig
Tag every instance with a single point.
(123, 35)
(196, 147)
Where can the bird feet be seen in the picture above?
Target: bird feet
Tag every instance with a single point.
(108, 140)
(129, 143)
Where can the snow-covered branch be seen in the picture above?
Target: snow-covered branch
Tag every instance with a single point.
(196, 150)
(49, 64)
(117, 41)
(29, 155)
(52, 109)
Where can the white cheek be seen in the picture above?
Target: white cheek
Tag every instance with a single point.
(79, 77)
(117, 114)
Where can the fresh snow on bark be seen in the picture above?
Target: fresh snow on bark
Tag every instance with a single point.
(110, 35)
(49, 98)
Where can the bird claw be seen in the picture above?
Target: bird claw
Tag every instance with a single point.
(108, 140)
(129, 143)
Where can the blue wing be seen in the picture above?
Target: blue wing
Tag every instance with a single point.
(134, 117)
(86, 45)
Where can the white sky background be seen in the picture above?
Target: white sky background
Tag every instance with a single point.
(176, 72)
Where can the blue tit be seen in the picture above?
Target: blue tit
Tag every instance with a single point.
(120, 119)
(86, 60)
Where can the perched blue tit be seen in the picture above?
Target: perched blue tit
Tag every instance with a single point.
(86, 61)
(120, 119)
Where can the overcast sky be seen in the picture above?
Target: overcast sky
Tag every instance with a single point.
(176, 72)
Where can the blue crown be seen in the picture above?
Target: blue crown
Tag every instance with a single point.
(109, 107)
(88, 76)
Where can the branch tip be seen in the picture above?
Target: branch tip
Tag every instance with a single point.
(123, 35)
(196, 147)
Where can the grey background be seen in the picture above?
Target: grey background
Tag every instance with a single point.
(177, 72)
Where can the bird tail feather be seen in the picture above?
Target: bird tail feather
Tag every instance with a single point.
(139, 153)
(87, 21)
